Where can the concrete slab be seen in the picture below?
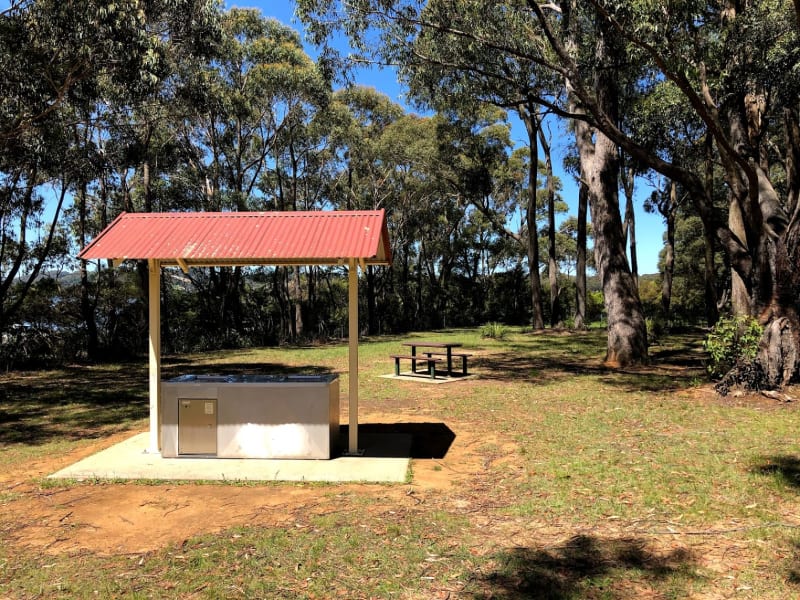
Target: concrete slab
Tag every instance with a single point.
(425, 378)
(386, 459)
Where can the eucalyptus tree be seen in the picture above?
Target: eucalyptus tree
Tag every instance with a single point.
(665, 124)
(523, 43)
(437, 166)
(446, 70)
(735, 65)
(554, 205)
(58, 60)
(431, 215)
(233, 108)
(239, 122)
(362, 173)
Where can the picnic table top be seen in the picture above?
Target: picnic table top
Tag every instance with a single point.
(432, 344)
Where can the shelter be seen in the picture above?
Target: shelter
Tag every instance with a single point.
(187, 240)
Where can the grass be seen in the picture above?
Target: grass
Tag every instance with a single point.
(582, 482)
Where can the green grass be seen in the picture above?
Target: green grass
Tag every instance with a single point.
(586, 483)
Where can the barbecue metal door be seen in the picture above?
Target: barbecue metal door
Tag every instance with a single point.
(197, 426)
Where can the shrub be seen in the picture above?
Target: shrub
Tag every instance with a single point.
(495, 331)
(732, 341)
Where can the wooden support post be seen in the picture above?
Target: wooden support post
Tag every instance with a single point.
(352, 286)
(154, 300)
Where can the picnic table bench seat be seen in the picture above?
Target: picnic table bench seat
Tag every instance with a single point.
(462, 355)
(414, 360)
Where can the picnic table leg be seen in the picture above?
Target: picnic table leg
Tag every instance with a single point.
(397, 367)
(413, 361)
(432, 369)
(449, 361)
(464, 365)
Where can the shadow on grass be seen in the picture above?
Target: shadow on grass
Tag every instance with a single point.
(784, 468)
(542, 370)
(547, 357)
(587, 566)
(75, 403)
(428, 440)
(793, 564)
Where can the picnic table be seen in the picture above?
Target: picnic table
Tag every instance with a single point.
(447, 347)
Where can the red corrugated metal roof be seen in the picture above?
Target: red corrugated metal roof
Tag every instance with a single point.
(245, 238)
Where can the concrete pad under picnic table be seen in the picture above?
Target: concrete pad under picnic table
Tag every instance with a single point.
(386, 459)
(422, 377)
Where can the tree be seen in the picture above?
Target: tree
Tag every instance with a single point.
(60, 61)
(512, 38)
(240, 127)
(734, 64)
(755, 43)
(358, 119)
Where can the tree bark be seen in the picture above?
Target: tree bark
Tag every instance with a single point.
(297, 299)
(552, 263)
(627, 333)
(629, 227)
(537, 312)
(372, 312)
(712, 301)
(599, 158)
(740, 294)
(87, 306)
(669, 250)
(580, 267)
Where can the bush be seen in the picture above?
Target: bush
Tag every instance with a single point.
(495, 331)
(595, 307)
(732, 341)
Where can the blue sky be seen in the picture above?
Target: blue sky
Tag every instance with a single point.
(649, 228)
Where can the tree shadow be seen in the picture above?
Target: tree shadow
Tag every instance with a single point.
(793, 570)
(86, 402)
(586, 566)
(547, 357)
(543, 370)
(784, 468)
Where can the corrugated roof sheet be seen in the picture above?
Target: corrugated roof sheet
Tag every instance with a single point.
(245, 238)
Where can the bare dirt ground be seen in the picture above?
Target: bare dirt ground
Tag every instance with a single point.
(132, 518)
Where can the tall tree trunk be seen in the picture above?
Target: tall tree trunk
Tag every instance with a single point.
(770, 234)
(297, 299)
(712, 300)
(87, 306)
(629, 227)
(406, 297)
(311, 320)
(147, 188)
(372, 313)
(710, 274)
(552, 262)
(740, 294)
(669, 250)
(627, 334)
(599, 157)
(580, 267)
(537, 312)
